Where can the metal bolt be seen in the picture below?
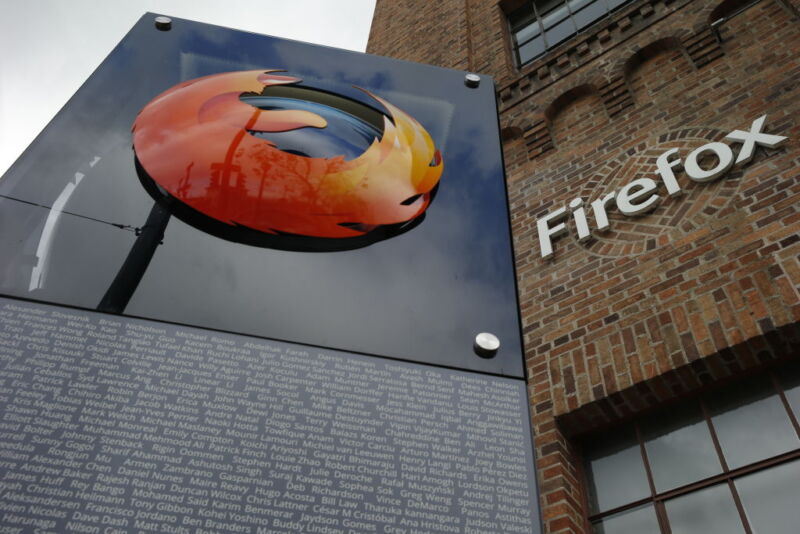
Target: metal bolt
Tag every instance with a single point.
(486, 345)
(163, 23)
(472, 80)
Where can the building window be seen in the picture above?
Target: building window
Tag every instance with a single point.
(539, 25)
(726, 463)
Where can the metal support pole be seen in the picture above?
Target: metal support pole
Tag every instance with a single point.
(130, 274)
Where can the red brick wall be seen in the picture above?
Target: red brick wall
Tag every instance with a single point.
(427, 32)
(699, 290)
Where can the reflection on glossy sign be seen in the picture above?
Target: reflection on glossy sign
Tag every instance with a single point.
(252, 157)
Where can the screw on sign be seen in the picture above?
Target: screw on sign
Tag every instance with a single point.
(245, 156)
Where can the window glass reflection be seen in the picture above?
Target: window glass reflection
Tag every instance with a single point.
(554, 17)
(708, 511)
(790, 380)
(770, 499)
(526, 33)
(531, 50)
(577, 5)
(545, 6)
(679, 447)
(616, 472)
(559, 32)
(584, 16)
(752, 423)
(637, 521)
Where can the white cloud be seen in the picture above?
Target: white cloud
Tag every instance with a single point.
(50, 47)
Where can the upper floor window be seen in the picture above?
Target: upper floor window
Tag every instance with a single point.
(538, 25)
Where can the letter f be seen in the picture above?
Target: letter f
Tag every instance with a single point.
(546, 232)
(665, 167)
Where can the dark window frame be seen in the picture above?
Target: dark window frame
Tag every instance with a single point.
(531, 15)
(727, 476)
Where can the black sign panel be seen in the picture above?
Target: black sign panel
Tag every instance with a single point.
(136, 426)
(272, 188)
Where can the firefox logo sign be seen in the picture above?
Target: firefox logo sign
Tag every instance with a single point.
(254, 157)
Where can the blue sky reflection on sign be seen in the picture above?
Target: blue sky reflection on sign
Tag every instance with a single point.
(422, 295)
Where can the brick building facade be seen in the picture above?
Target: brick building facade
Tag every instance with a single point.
(665, 307)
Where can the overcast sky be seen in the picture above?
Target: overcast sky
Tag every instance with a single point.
(50, 47)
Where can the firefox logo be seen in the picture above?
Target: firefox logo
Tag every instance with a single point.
(254, 157)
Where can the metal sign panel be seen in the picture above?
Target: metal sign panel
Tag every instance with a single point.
(132, 425)
(255, 185)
